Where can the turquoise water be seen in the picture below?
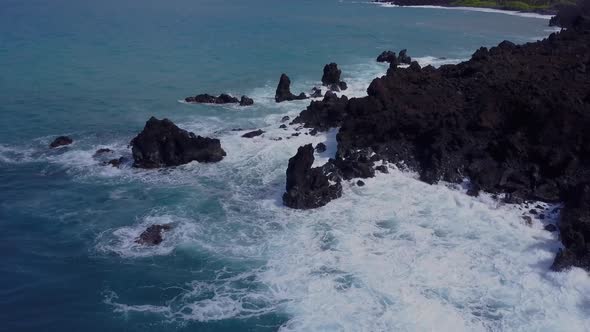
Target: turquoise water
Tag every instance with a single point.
(394, 255)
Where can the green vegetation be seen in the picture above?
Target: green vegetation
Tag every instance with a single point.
(523, 5)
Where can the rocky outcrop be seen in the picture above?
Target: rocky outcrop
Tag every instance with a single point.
(331, 77)
(153, 235)
(61, 141)
(324, 114)
(283, 92)
(222, 99)
(513, 119)
(568, 14)
(387, 56)
(245, 101)
(403, 57)
(162, 143)
(308, 187)
(393, 59)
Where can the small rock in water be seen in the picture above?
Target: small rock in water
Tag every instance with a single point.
(245, 101)
(283, 126)
(382, 169)
(116, 162)
(550, 228)
(533, 211)
(295, 134)
(153, 235)
(285, 118)
(61, 141)
(360, 183)
(320, 147)
(527, 220)
(253, 133)
(102, 151)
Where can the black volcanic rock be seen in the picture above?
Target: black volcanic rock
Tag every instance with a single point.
(161, 143)
(403, 57)
(568, 14)
(387, 56)
(102, 151)
(513, 119)
(221, 99)
(307, 187)
(61, 141)
(331, 74)
(320, 147)
(253, 133)
(331, 77)
(245, 101)
(316, 93)
(117, 162)
(153, 235)
(209, 99)
(325, 114)
(574, 227)
(283, 92)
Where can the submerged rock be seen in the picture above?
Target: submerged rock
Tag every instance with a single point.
(283, 92)
(161, 143)
(308, 187)
(101, 152)
(117, 162)
(253, 133)
(61, 141)
(153, 235)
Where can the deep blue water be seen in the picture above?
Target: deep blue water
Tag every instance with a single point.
(236, 260)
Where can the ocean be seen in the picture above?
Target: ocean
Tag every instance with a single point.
(394, 255)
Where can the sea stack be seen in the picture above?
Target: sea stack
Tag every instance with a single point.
(161, 143)
(283, 92)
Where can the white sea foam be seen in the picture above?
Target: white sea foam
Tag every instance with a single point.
(122, 241)
(472, 9)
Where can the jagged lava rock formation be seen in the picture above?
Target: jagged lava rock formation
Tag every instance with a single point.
(514, 120)
(283, 92)
(308, 187)
(161, 143)
(331, 78)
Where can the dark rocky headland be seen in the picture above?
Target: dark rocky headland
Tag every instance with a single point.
(513, 120)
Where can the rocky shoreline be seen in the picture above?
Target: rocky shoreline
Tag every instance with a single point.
(450, 3)
(513, 120)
